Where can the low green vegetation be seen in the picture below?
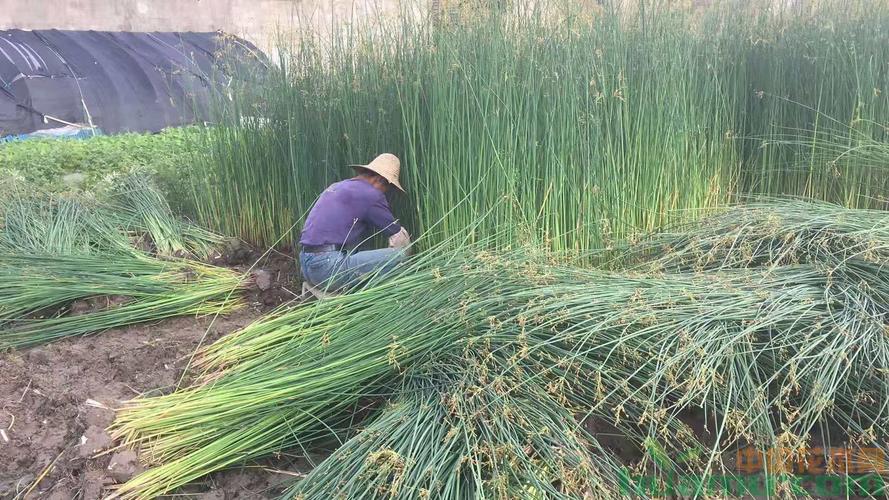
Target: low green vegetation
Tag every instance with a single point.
(59, 165)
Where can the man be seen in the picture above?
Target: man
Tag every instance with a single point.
(344, 216)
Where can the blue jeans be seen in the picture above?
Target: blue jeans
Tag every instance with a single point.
(335, 270)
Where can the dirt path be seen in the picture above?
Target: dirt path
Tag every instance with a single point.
(56, 400)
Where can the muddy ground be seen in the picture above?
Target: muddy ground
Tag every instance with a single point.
(56, 401)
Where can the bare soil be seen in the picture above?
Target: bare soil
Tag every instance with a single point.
(57, 400)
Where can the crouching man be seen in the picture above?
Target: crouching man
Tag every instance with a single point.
(346, 214)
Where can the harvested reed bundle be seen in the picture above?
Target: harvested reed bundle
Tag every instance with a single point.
(37, 293)
(835, 369)
(761, 378)
(289, 378)
(770, 234)
(292, 375)
(61, 253)
(769, 352)
(142, 209)
(136, 214)
(58, 226)
(451, 434)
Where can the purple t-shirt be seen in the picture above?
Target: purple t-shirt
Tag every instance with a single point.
(345, 213)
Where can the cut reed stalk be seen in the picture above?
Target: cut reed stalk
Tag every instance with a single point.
(770, 348)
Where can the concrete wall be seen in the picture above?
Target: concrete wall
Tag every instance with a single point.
(259, 21)
(255, 20)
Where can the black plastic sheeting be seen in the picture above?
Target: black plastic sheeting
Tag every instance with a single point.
(116, 81)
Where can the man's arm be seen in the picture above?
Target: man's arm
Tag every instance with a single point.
(380, 216)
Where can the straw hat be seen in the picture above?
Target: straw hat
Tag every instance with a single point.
(387, 166)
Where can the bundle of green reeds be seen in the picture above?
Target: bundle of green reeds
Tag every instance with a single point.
(71, 266)
(45, 297)
(770, 350)
(58, 226)
(143, 211)
(133, 214)
(451, 433)
(776, 233)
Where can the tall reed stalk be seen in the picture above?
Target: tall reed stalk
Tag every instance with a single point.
(574, 126)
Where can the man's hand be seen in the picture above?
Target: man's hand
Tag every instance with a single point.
(400, 240)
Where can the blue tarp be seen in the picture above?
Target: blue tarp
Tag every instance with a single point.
(66, 132)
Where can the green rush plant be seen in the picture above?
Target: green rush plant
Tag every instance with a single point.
(142, 209)
(844, 162)
(774, 329)
(40, 294)
(575, 126)
(130, 213)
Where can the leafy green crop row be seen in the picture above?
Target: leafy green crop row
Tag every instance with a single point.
(61, 164)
